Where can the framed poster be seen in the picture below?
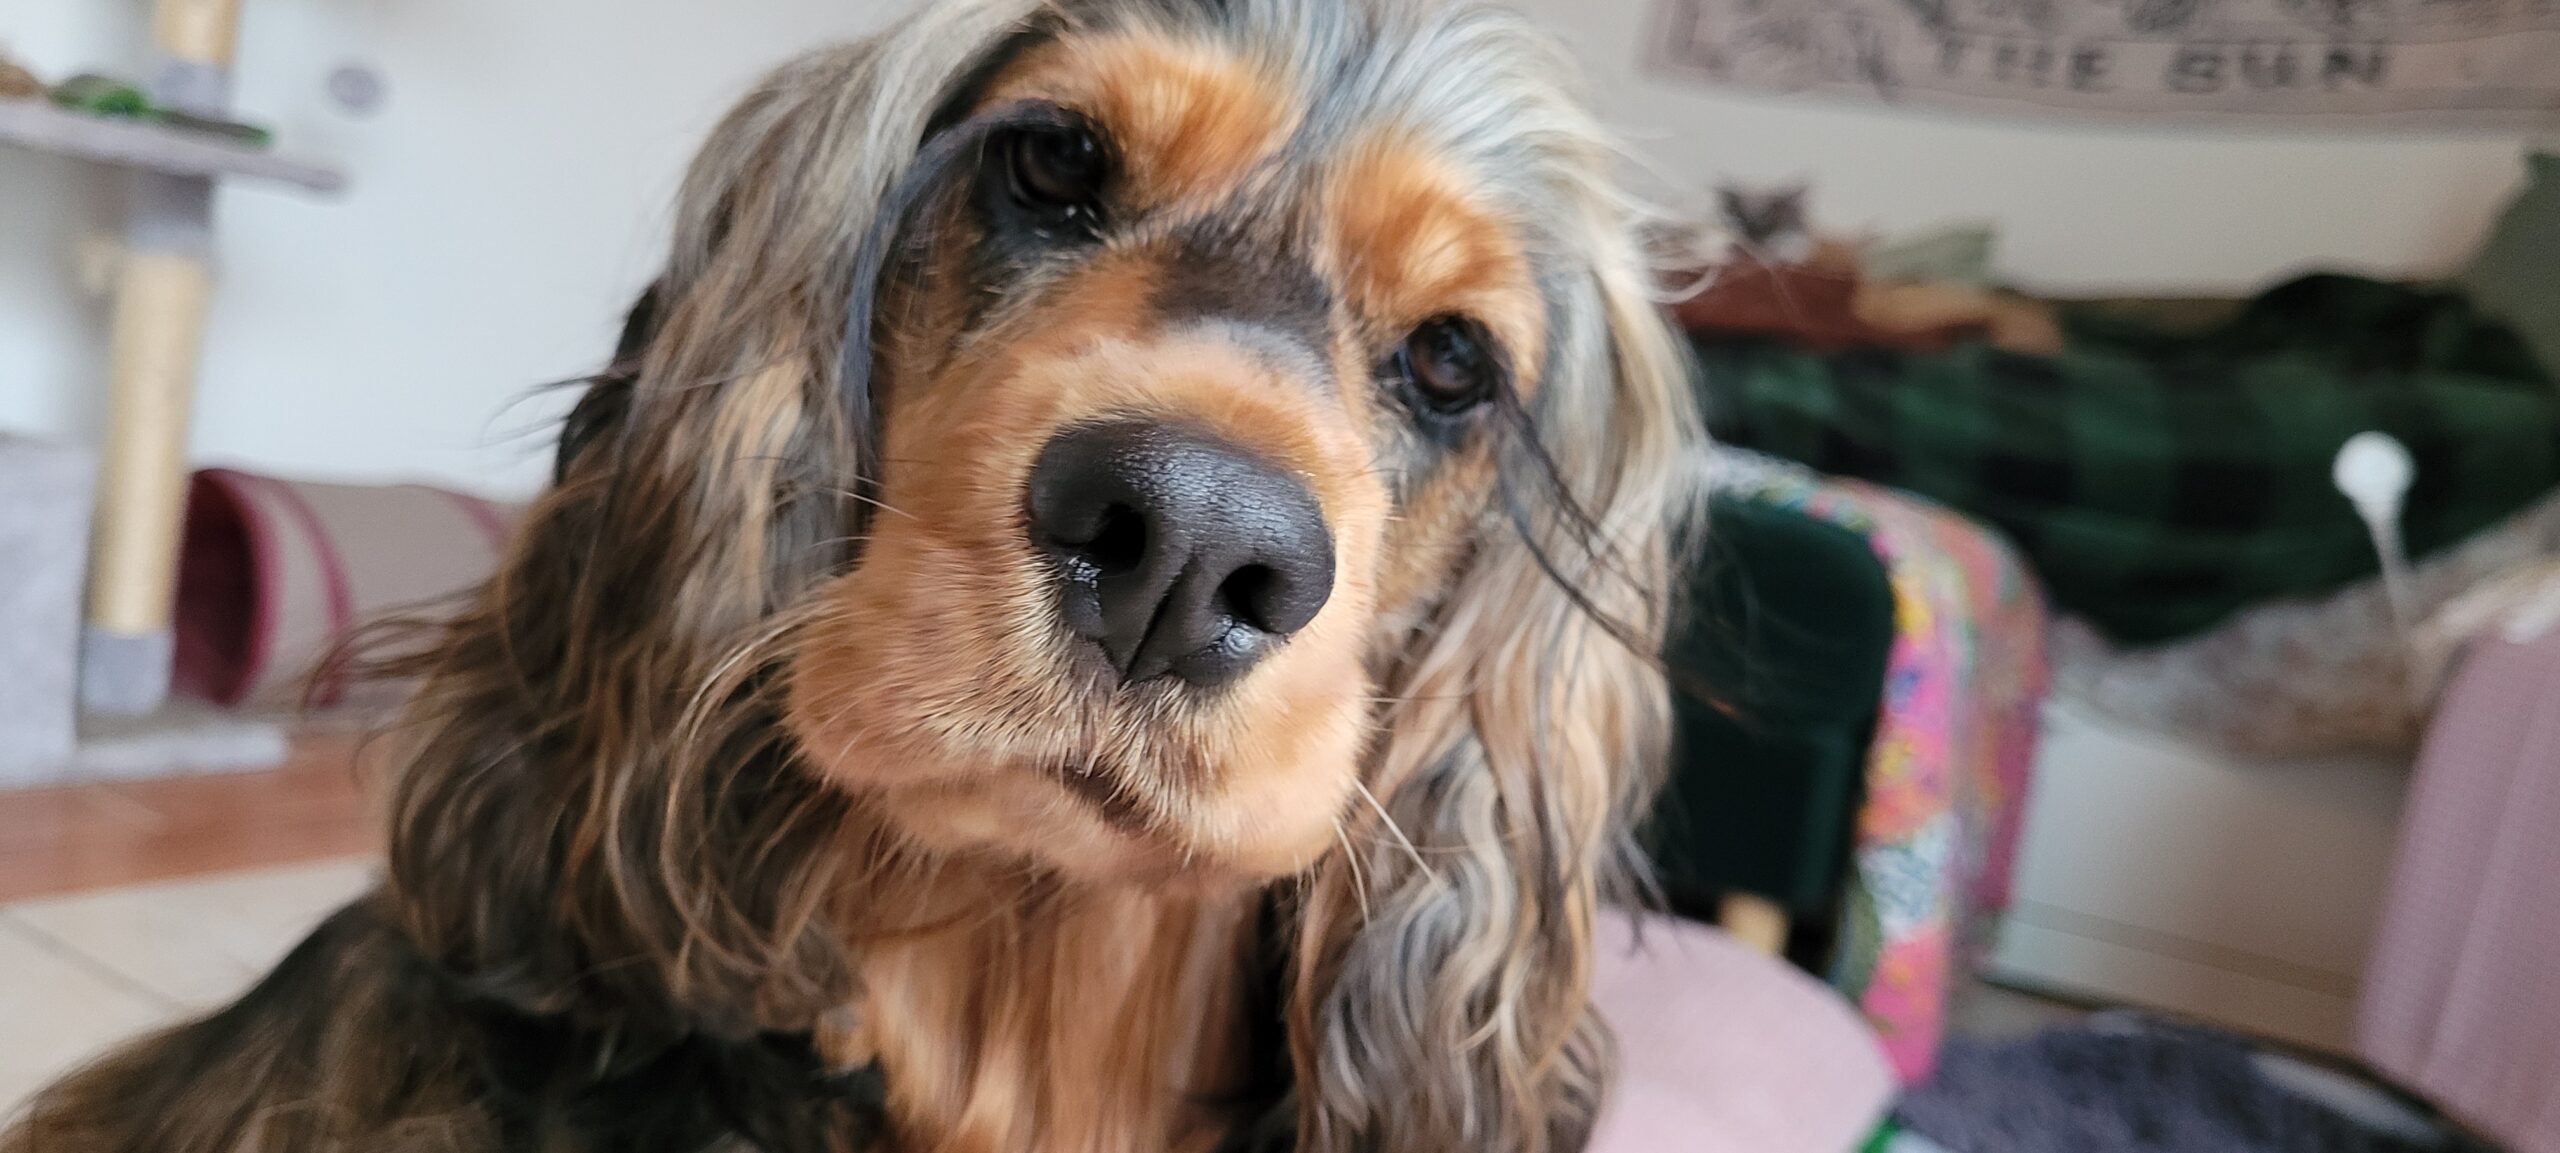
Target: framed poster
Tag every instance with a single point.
(2486, 65)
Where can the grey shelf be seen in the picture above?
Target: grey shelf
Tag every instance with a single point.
(153, 146)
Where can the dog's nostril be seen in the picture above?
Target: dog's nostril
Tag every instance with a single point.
(1274, 601)
(1246, 595)
(1119, 544)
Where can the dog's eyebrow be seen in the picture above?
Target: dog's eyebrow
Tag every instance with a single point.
(1220, 268)
(1280, 348)
(965, 92)
(925, 176)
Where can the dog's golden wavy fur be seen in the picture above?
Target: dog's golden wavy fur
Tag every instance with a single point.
(772, 798)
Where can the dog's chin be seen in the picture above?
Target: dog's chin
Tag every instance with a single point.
(1084, 822)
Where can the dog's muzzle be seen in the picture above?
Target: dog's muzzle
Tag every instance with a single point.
(1179, 553)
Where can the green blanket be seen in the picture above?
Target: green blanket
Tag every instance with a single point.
(2161, 481)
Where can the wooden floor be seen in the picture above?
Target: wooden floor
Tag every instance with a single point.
(66, 840)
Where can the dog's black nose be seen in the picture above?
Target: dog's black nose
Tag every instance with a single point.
(1180, 552)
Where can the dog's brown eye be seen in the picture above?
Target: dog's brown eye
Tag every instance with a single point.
(1057, 174)
(1449, 364)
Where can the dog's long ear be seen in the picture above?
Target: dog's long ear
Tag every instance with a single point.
(607, 400)
(1441, 1000)
(592, 796)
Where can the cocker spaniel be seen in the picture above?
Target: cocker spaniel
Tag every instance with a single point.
(1109, 605)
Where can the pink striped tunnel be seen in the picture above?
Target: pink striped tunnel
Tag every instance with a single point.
(273, 574)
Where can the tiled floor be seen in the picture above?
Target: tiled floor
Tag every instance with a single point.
(127, 906)
(90, 969)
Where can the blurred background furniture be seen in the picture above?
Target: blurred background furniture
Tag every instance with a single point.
(2227, 887)
(2460, 1003)
(1788, 625)
(1861, 672)
(2236, 704)
(274, 576)
(44, 535)
(1724, 1049)
(163, 287)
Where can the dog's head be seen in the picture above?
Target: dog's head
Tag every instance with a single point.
(1152, 442)
(1190, 381)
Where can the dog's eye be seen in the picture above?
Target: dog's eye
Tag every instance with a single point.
(1449, 366)
(1057, 174)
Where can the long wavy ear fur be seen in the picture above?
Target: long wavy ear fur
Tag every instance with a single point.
(608, 396)
(1528, 728)
(594, 807)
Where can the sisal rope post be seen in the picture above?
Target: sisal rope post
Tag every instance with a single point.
(163, 291)
(197, 31)
(160, 306)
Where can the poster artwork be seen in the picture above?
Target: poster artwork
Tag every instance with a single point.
(2489, 65)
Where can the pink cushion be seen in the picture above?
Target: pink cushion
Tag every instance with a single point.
(1724, 1049)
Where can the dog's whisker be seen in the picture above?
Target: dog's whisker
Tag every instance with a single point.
(1378, 840)
(861, 498)
(1403, 841)
(828, 544)
(1351, 861)
(1417, 699)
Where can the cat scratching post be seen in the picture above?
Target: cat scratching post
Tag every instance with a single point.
(44, 526)
(163, 284)
(163, 290)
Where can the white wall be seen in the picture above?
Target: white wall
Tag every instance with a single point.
(2079, 208)
(512, 199)
(508, 203)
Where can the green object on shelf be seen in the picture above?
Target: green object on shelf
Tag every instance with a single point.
(100, 95)
(103, 96)
(232, 130)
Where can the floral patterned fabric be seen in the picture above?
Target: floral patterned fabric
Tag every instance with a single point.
(1947, 775)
